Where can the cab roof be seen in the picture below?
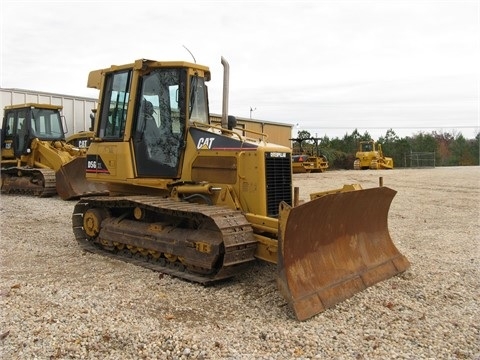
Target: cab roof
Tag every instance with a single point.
(34, 105)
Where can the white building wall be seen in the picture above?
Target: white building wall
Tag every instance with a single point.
(76, 109)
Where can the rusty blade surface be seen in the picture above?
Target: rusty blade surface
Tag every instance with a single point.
(72, 183)
(335, 246)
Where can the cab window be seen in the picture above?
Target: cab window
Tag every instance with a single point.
(114, 106)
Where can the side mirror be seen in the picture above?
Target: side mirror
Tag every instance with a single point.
(232, 122)
(92, 122)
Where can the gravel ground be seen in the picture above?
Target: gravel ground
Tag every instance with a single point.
(58, 302)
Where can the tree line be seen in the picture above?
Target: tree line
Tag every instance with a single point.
(444, 149)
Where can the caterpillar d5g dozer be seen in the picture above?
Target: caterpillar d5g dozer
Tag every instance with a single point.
(370, 156)
(203, 202)
(35, 157)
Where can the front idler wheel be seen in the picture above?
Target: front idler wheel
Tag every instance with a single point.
(92, 221)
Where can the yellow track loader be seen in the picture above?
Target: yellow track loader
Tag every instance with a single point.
(35, 157)
(370, 156)
(202, 202)
(82, 139)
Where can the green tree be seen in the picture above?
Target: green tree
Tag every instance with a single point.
(422, 142)
(462, 152)
(475, 145)
(303, 134)
(444, 141)
(390, 148)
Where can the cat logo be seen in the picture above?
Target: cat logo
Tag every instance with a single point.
(82, 144)
(205, 143)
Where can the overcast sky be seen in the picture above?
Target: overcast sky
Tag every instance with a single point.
(328, 66)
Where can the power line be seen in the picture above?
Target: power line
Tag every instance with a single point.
(394, 127)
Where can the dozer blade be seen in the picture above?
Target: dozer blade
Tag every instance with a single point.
(72, 183)
(335, 246)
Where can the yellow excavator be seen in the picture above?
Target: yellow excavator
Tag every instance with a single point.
(202, 202)
(36, 158)
(370, 156)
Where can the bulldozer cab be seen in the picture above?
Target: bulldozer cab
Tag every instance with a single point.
(156, 122)
(367, 146)
(23, 123)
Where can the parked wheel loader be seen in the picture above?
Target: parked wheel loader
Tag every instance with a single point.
(204, 202)
(36, 158)
(370, 156)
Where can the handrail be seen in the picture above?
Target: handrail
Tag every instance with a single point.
(241, 137)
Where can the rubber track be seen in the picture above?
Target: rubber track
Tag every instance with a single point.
(237, 233)
(49, 188)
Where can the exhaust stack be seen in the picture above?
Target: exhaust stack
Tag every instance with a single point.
(226, 76)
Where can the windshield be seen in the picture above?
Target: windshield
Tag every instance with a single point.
(367, 147)
(46, 124)
(161, 98)
(160, 122)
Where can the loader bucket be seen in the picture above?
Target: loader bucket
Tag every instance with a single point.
(335, 246)
(71, 181)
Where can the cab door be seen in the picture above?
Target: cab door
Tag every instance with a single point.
(159, 127)
(15, 134)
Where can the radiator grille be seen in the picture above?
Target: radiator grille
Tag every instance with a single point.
(278, 177)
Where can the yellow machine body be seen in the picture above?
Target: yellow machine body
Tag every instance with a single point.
(370, 156)
(80, 139)
(308, 161)
(36, 158)
(203, 202)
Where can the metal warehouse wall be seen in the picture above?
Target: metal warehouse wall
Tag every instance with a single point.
(75, 109)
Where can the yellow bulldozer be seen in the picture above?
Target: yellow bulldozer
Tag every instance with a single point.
(370, 156)
(204, 202)
(36, 158)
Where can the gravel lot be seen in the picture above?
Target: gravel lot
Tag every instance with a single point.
(58, 302)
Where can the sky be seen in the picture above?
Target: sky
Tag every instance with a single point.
(326, 67)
